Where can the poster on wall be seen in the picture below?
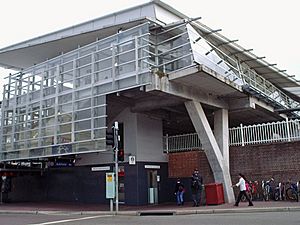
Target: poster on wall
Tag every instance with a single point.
(61, 149)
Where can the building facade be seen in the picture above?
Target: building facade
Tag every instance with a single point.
(155, 71)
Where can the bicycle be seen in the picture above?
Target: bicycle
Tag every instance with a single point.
(292, 192)
(249, 192)
(267, 190)
(278, 193)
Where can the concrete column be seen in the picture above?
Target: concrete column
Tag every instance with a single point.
(211, 148)
(221, 131)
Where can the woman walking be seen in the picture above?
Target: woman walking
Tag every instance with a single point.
(242, 185)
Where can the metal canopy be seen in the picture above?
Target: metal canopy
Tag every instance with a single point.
(24, 57)
(261, 66)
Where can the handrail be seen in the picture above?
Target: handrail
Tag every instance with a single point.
(262, 87)
(281, 131)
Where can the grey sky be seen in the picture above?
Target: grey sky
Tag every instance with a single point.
(270, 27)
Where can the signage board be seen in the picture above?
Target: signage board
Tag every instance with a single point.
(131, 160)
(110, 185)
(100, 168)
(152, 166)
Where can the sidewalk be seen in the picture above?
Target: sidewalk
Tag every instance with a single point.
(161, 209)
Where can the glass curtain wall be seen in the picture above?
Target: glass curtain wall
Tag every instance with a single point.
(59, 107)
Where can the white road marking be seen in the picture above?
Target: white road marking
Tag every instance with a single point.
(70, 220)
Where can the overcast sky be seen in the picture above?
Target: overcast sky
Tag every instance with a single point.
(270, 27)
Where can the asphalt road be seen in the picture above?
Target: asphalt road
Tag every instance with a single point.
(274, 218)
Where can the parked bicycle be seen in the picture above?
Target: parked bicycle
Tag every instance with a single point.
(292, 192)
(256, 195)
(267, 189)
(251, 190)
(279, 192)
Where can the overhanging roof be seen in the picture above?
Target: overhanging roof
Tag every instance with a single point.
(36, 50)
(27, 54)
(39, 49)
(267, 70)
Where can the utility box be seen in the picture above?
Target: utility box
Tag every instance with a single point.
(214, 194)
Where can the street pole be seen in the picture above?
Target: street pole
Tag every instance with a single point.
(116, 129)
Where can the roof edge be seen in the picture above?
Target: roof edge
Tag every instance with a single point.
(156, 2)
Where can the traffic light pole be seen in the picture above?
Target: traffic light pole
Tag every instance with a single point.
(116, 129)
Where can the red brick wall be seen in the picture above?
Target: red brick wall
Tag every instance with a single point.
(256, 162)
(182, 164)
(260, 162)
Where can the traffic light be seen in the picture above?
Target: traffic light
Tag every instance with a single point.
(110, 137)
(121, 155)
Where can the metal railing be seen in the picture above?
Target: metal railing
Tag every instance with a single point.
(121, 61)
(282, 131)
(183, 142)
(288, 130)
(240, 73)
(59, 106)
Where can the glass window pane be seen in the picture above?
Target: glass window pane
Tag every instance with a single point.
(102, 89)
(85, 146)
(48, 131)
(65, 86)
(84, 114)
(103, 75)
(64, 98)
(66, 67)
(66, 138)
(86, 103)
(65, 108)
(99, 100)
(32, 143)
(81, 82)
(83, 125)
(83, 93)
(47, 141)
(64, 118)
(85, 70)
(99, 111)
(100, 122)
(50, 121)
(48, 112)
(66, 128)
(34, 133)
(81, 136)
(48, 103)
(100, 133)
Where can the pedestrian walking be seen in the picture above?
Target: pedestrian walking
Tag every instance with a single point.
(242, 185)
(179, 192)
(196, 187)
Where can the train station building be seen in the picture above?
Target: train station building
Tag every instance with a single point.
(177, 88)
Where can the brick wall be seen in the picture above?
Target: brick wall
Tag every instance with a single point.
(256, 162)
(182, 164)
(260, 162)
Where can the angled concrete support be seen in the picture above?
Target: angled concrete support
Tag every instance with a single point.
(214, 155)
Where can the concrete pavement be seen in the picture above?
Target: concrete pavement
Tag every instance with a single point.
(160, 209)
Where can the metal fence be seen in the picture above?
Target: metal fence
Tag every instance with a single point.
(184, 142)
(288, 130)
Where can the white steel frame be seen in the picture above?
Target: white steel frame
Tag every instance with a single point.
(281, 131)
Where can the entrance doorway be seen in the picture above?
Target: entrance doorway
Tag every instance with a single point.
(153, 179)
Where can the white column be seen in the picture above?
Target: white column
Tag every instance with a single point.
(214, 155)
(221, 131)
